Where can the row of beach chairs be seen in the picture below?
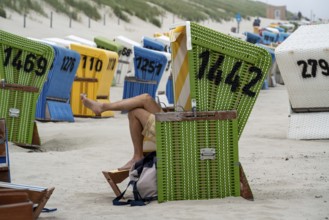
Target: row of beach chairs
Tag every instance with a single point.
(44, 79)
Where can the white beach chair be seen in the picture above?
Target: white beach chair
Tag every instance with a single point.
(81, 40)
(126, 64)
(60, 42)
(303, 60)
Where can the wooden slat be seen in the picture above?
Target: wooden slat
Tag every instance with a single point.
(191, 116)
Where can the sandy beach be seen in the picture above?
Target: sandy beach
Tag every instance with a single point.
(289, 178)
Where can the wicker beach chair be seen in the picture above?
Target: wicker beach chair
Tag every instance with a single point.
(150, 66)
(271, 76)
(107, 44)
(39, 196)
(269, 37)
(216, 72)
(303, 60)
(159, 44)
(252, 37)
(282, 36)
(197, 150)
(54, 100)
(15, 205)
(153, 44)
(126, 64)
(24, 67)
(80, 40)
(217, 79)
(60, 42)
(4, 153)
(94, 78)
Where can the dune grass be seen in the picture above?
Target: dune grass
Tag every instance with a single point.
(150, 10)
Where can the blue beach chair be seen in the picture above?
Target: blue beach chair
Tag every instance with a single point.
(252, 38)
(149, 67)
(53, 103)
(153, 44)
(269, 37)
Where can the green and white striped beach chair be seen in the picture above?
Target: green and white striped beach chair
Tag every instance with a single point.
(216, 79)
(24, 67)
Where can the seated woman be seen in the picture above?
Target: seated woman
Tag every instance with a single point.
(141, 114)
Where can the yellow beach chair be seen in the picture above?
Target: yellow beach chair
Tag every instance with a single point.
(94, 78)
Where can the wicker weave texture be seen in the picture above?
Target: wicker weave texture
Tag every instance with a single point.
(134, 87)
(181, 172)
(225, 73)
(309, 125)
(303, 60)
(25, 63)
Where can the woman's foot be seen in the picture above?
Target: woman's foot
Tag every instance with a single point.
(128, 165)
(96, 107)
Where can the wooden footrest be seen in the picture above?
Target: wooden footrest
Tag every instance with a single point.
(115, 177)
(39, 196)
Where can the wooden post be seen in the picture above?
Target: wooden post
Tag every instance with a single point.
(51, 19)
(24, 20)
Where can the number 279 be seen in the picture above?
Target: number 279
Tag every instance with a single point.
(314, 67)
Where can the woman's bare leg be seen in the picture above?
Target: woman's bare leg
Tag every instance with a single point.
(144, 101)
(137, 121)
(139, 108)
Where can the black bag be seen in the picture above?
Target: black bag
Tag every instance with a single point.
(143, 181)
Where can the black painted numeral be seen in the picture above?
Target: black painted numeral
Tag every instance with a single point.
(233, 78)
(147, 65)
(253, 82)
(68, 64)
(324, 66)
(126, 52)
(314, 67)
(215, 74)
(98, 65)
(29, 63)
(111, 65)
